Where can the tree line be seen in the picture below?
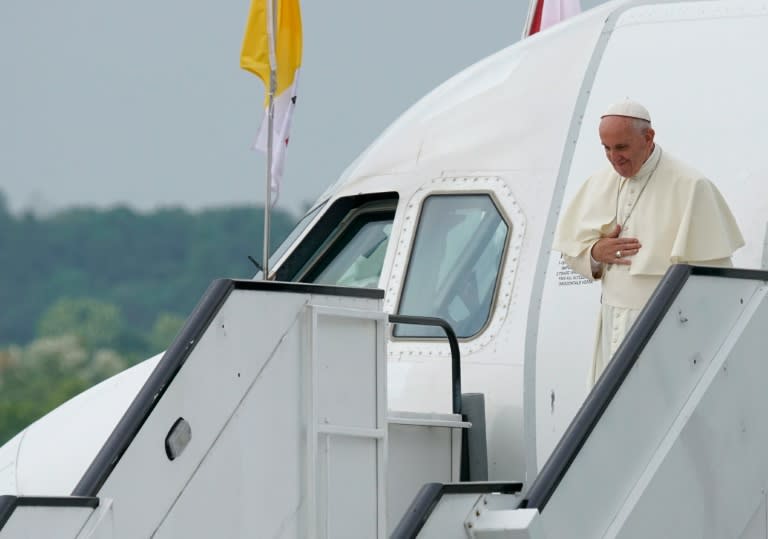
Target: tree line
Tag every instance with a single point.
(88, 292)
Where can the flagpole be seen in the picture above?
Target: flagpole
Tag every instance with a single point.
(268, 198)
(529, 18)
(271, 25)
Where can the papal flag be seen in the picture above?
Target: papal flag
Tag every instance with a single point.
(545, 13)
(266, 47)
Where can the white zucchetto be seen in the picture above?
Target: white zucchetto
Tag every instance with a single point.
(628, 108)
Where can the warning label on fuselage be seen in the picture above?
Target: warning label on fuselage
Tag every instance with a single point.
(567, 277)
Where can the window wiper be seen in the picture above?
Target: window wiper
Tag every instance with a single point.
(258, 266)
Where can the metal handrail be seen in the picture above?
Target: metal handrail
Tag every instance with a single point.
(453, 342)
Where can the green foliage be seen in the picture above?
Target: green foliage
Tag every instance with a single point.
(87, 293)
(96, 323)
(44, 374)
(144, 264)
(164, 331)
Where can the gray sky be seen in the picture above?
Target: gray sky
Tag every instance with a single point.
(144, 103)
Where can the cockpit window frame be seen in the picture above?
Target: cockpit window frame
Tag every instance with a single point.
(345, 234)
(342, 213)
(304, 223)
(497, 282)
(507, 204)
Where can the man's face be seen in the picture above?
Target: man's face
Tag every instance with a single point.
(626, 146)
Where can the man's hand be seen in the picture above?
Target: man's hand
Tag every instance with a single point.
(612, 249)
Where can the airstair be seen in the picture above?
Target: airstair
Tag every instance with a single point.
(671, 442)
(267, 417)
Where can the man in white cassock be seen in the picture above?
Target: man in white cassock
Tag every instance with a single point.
(629, 222)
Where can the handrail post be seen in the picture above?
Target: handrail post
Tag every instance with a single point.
(453, 342)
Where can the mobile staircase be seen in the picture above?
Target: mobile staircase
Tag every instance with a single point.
(267, 417)
(671, 442)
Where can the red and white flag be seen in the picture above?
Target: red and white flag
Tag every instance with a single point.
(545, 13)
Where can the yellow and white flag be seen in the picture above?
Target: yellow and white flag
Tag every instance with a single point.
(265, 48)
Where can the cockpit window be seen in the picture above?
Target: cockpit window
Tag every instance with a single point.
(347, 245)
(357, 257)
(455, 264)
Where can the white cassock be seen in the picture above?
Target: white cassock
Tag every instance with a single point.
(677, 214)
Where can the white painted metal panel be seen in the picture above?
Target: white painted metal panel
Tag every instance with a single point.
(250, 483)
(757, 527)
(348, 440)
(45, 522)
(448, 516)
(708, 476)
(101, 523)
(349, 491)
(228, 358)
(346, 378)
(243, 392)
(645, 406)
(507, 524)
(420, 454)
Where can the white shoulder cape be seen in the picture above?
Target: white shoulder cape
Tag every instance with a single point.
(680, 217)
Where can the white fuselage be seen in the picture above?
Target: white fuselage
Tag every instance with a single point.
(522, 126)
(519, 129)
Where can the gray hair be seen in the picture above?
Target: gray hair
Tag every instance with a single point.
(640, 124)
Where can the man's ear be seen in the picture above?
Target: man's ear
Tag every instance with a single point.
(649, 134)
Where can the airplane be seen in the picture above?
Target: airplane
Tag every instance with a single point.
(326, 400)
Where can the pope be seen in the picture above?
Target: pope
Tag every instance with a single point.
(629, 222)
